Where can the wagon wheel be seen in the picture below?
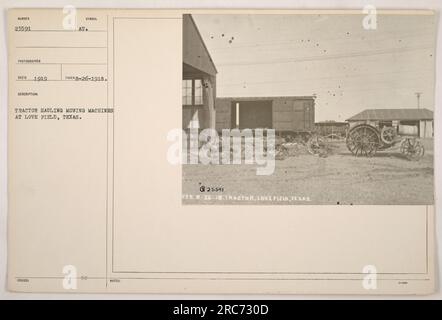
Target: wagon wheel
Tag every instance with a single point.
(281, 152)
(363, 140)
(412, 149)
(316, 145)
(388, 134)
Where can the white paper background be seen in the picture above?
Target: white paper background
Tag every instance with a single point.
(311, 4)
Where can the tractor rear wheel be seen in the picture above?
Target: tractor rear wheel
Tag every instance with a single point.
(363, 140)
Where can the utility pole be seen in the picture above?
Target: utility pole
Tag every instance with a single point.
(418, 95)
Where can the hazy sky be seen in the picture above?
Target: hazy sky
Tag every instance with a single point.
(349, 68)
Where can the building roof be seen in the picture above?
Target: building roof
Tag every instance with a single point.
(266, 98)
(195, 52)
(393, 114)
(331, 123)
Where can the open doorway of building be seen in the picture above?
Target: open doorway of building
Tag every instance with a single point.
(251, 114)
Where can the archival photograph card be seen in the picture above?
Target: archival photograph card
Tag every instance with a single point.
(317, 108)
(221, 151)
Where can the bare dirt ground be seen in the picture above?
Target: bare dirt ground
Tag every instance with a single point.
(304, 179)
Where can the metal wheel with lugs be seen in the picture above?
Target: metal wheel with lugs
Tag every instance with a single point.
(388, 135)
(412, 148)
(363, 140)
(316, 145)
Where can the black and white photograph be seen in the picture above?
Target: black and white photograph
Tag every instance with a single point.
(308, 109)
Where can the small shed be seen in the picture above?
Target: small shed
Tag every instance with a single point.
(286, 113)
(417, 122)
